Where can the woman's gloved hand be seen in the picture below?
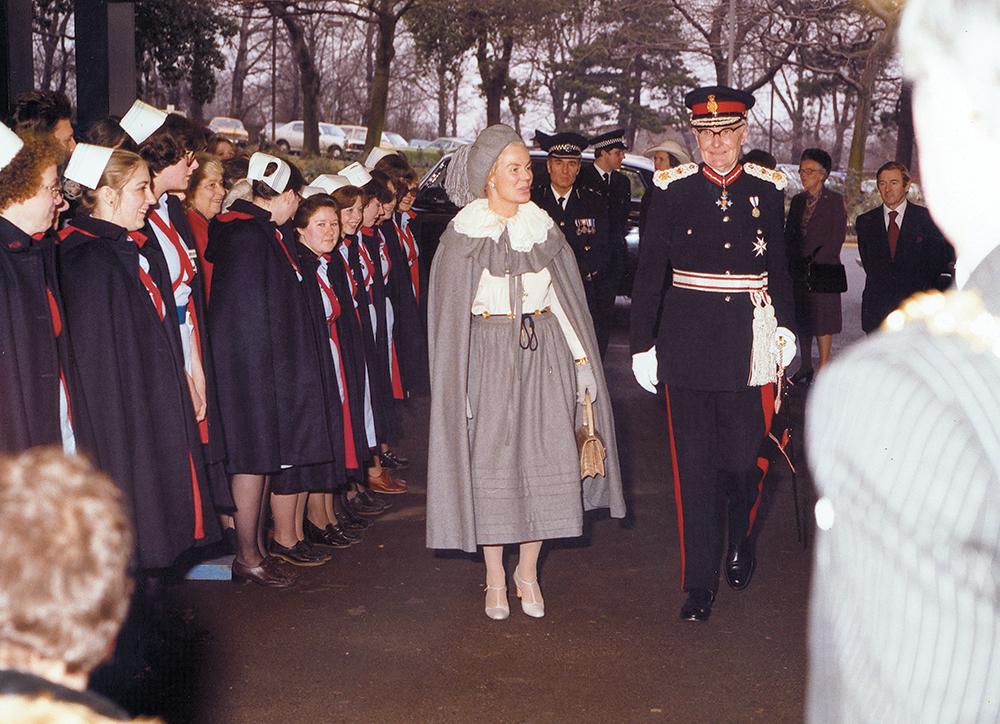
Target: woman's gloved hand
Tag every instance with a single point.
(585, 380)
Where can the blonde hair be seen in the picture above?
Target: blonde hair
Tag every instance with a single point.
(63, 596)
(120, 168)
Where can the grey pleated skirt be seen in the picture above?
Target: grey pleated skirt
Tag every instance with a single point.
(525, 465)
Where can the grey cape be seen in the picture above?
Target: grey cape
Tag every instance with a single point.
(455, 274)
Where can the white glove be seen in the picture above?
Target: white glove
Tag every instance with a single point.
(788, 349)
(585, 380)
(644, 369)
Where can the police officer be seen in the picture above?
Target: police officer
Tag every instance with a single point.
(723, 333)
(605, 178)
(582, 215)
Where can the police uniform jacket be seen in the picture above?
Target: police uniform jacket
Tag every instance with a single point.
(704, 339)
(618, 197)
(584, 223)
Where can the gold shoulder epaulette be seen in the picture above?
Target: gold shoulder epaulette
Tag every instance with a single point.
(779, 179)
(664, 178)
(955, 313)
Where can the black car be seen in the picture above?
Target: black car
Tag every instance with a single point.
(434, 208)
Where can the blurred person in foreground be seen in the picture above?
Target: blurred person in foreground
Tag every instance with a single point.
(61, 603)
(904, 434)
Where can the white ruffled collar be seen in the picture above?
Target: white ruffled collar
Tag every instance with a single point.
(529, 226)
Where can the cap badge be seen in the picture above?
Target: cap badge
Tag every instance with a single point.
(712, 106)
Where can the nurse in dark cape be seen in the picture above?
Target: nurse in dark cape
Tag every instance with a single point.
(116, 294)
(268, 367)
(512, 352)
(37, 375)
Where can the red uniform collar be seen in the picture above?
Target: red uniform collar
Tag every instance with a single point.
(722, 181)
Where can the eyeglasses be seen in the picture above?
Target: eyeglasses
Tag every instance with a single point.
(811, 171)
(55, 190)
(705, 135)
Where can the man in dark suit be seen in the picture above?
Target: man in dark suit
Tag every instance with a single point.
(606, 179)
(903, 433)
(901, 249)
(582, 215)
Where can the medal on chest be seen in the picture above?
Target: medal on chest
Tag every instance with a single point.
(724, 201)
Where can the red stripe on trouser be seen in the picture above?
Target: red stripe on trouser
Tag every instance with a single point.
(763, 464)
(677, 483)
(397, 382)
(199, 521)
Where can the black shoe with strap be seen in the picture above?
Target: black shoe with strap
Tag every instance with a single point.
(300, 554)
(393, 461)
(321, 537)
(349, 520)
(698, 606)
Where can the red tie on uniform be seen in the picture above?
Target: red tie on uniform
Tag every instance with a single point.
(893, 233)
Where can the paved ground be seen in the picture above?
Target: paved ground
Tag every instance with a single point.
(392, 632)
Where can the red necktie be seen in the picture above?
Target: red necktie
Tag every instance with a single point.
(893, 233)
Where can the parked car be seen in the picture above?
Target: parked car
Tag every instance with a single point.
(356, 136)
(419, 143)
(434, 208)
(447, 144)
(231, 128)
(288, 138)
(394, 139)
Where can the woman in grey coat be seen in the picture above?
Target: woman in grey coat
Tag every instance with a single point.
(512, 351)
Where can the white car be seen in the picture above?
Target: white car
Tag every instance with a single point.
(288, 138)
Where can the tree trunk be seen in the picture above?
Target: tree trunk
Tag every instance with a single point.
(308, 77)
(240, 69)
(369, 70)
(454, 109)
(494, 72)
(384, 53)
(904, 124)
(442, 99)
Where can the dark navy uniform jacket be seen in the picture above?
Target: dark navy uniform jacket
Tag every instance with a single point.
(704, 339)
(584, 223)
(618, 197)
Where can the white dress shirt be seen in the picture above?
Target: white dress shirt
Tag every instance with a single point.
(900, 210)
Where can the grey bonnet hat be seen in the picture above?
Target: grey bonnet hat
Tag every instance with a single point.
(470, 165)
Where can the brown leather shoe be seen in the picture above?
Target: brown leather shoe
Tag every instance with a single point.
(387, 484)
(261, 574)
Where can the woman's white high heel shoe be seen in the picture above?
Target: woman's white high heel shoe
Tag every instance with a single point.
(496, 602)
(530, 594)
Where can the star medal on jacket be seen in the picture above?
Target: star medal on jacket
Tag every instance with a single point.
(755, 203)
(759, 246)
(724, 202)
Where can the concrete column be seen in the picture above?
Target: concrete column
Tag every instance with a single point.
(16, 68)
(105, 59)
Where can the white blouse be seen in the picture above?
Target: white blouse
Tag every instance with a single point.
(493, 296)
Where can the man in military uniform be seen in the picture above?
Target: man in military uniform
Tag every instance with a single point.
(722, 337)
(903, 431)
(605, 178)
(582, 216)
